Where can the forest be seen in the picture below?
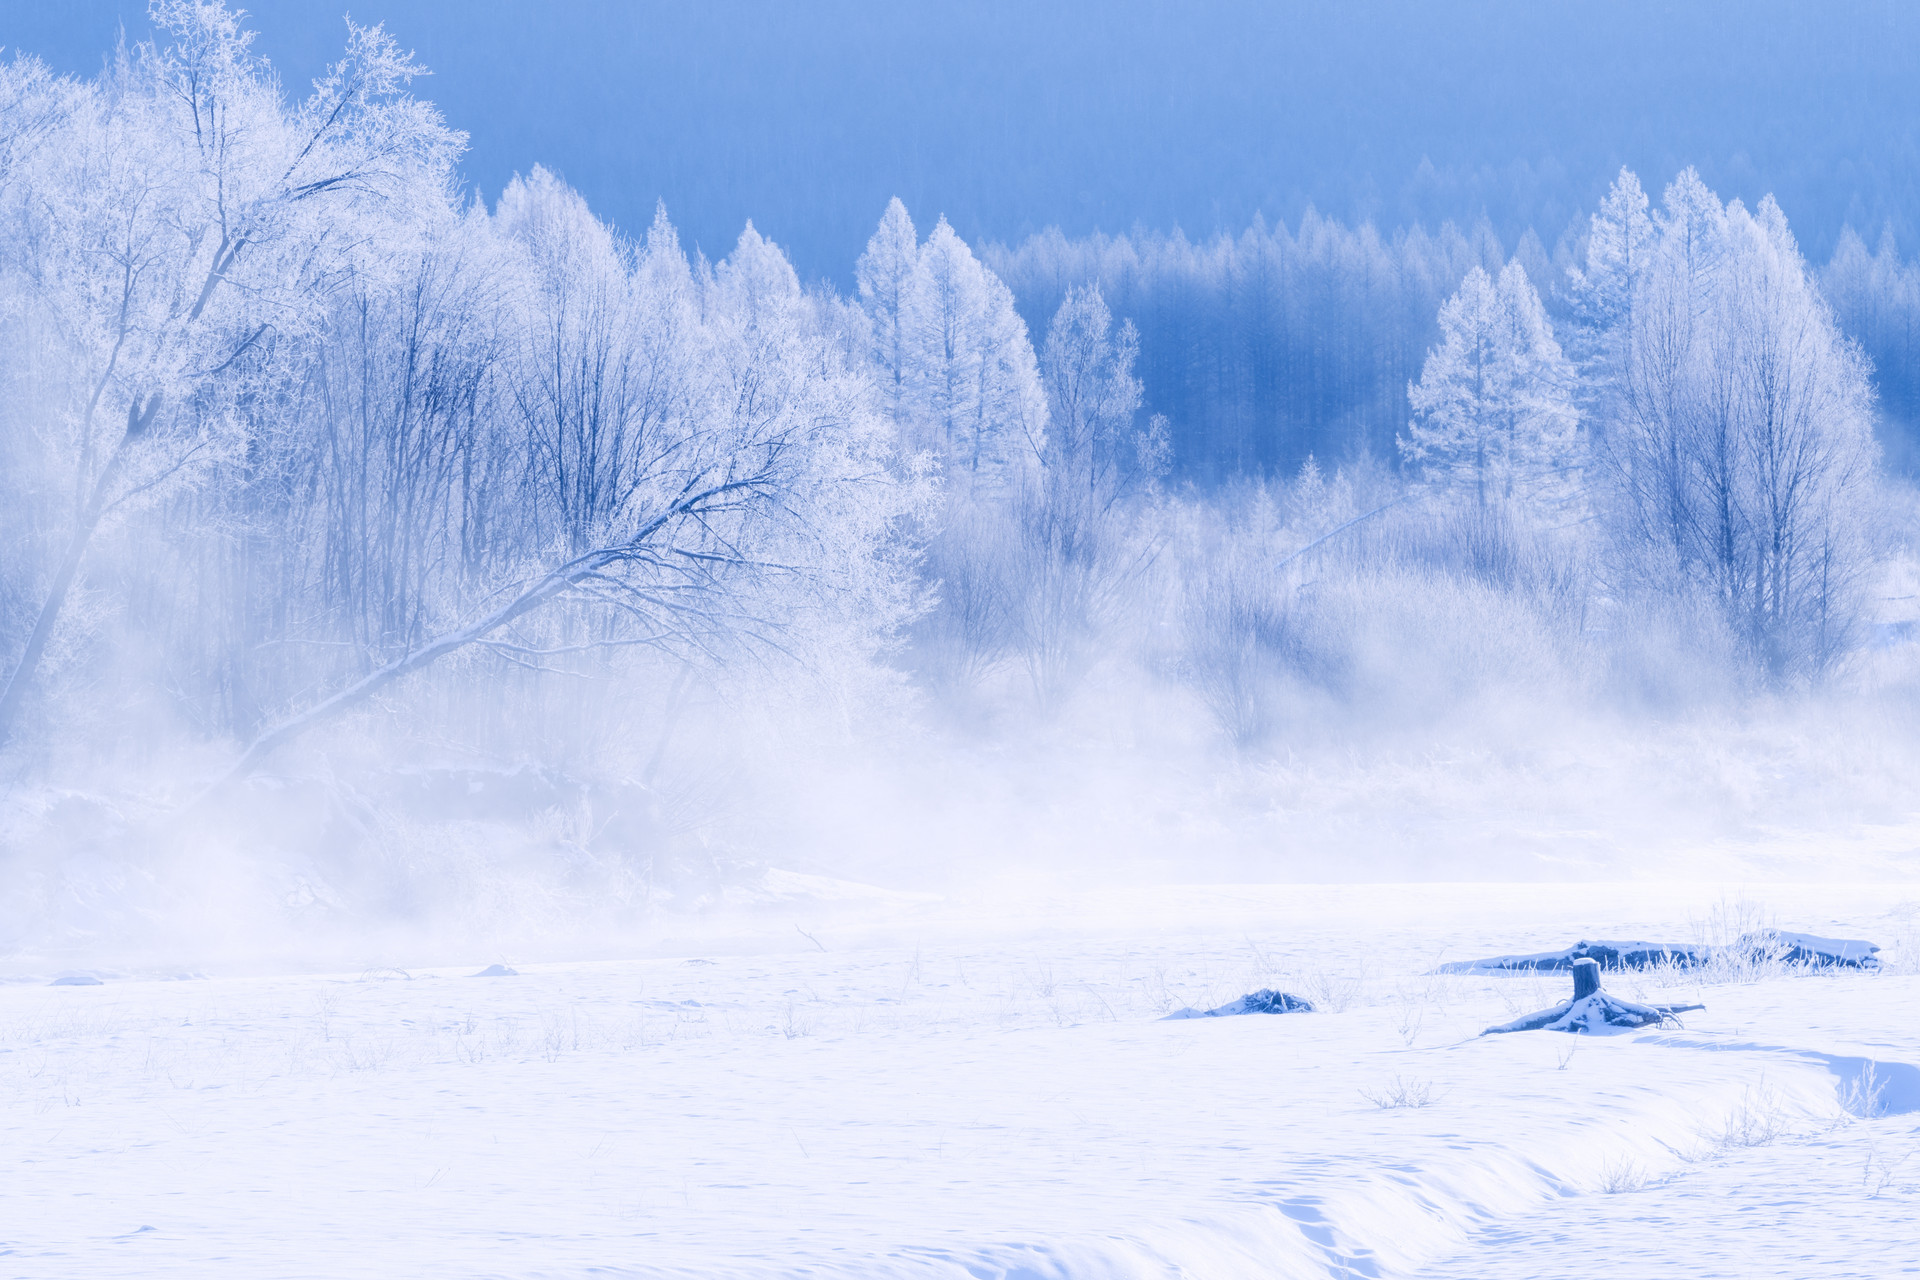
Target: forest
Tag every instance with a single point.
(315, 469)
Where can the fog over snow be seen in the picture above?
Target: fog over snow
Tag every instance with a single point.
(773, 640)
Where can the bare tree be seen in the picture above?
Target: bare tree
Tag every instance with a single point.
(183, 171)
(744, 492)
(1076, 551)
(1743, 464)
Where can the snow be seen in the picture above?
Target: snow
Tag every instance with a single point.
(1796, 947)
(984, 1088)
(1263, 1001)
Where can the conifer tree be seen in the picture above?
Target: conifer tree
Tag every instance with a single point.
(1620, 243)
(888, 275)
(1493, 410)
(953, 356)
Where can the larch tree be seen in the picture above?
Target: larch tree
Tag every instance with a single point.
(961, 384)
(1620, 244)
(888, 276)
(973, 397)
(1876, 298)
(1095, 446)
(1493, 412)
(1265, 347)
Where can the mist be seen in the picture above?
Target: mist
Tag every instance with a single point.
(386, 560)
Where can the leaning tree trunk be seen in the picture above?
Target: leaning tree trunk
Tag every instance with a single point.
(692, 504)
(139, 418)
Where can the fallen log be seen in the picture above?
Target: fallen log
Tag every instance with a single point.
(1810, 949)
(1767, 945)
(1592, 1011)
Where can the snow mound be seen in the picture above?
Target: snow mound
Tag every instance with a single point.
(497, 971)
(1262, 1001)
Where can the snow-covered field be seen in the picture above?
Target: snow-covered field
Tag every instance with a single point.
(930, 1087)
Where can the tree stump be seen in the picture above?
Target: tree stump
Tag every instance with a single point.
(1592, 1011)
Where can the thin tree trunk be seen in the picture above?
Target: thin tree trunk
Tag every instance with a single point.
(439, 647)
(23, 673)
(139, 417)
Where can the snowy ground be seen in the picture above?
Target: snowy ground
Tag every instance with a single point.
(924, 1087)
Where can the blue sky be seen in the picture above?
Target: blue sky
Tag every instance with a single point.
(1009, 117)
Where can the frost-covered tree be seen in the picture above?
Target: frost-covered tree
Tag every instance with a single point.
(367, 428)
(1742, 464)
(976, 390)
(1620, 243)
(959, 380)
(393, 476)
(703, 467)
(1493, 410)
(179, 228)
(1265, 347)
(1094, 445)
(888, 276)
(1075, 556)
(955, 361)
(1876, 298)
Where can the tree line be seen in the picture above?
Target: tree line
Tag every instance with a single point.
(293, 423)
(1278, 344)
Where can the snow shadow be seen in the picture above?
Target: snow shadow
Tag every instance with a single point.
(1867, 1086)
